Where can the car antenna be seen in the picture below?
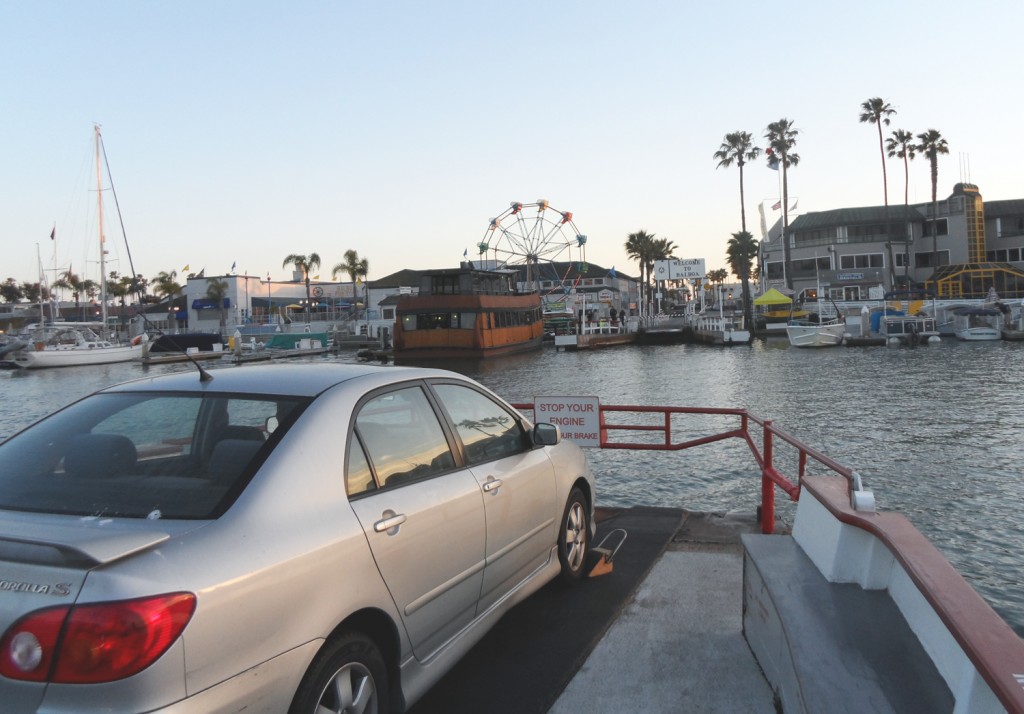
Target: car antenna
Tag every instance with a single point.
(204, 376)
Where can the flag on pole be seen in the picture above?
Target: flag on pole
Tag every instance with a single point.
(53, 233)
(777, 205)
(773, 161)
(611, 273)
(185, 269)
(465, 253)
(233, 264)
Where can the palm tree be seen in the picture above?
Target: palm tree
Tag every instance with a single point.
(639, 247)
(119, 286)
(741, 254)
(216, 291)
(877, 111)
(781, 136)
(900, 145)
(69, 281)
(78, 287)
(166, 285)
(305, 264)
(738, 148)
(931, 144)
(356, 267)
(661, 249)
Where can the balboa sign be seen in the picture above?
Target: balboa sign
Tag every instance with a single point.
(685, 269)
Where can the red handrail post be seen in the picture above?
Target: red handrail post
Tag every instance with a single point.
(767, 487)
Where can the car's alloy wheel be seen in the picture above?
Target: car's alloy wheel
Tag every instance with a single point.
(348, 676)
(574, 538)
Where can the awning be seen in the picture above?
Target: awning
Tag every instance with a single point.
(210, 304)
(773, 297)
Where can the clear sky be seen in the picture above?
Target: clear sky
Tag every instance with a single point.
(242, 132)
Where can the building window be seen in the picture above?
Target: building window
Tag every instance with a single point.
(923, 259)
(861, 261)
(388, 313)
(942, 224)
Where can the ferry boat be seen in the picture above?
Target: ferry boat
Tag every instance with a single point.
(467, 313)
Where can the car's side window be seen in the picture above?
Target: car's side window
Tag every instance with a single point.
(403, 438)
(487, 430)
(358, 477)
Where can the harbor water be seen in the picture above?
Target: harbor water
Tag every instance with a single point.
(935, 431)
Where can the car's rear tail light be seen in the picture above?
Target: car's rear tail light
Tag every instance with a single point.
(94, 643)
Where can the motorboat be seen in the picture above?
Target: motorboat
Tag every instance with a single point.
(817, 329)
(975, 324)
(808, 333)
(720, 329)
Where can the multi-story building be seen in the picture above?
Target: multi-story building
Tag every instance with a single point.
(959, 248)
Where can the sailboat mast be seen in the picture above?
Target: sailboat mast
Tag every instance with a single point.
(103, 247)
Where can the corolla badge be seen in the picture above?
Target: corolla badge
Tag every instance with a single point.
(15, 586)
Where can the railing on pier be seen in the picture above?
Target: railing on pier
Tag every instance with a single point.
(763, 452)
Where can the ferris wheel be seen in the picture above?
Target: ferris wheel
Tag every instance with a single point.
(537, 236)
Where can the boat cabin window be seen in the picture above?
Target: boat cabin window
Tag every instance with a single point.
(439, 321)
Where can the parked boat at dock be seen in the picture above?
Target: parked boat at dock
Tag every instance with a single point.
(720, 329)
(75, 345)
(280, 345)
(824, 328)
(183, 347)
(467, 313)
(69, 345)
(974, 324)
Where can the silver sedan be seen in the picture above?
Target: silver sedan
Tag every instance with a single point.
(300, 538)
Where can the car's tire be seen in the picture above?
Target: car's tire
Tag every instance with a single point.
(347, 675)
(574, 537)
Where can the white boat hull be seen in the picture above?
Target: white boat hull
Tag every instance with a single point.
(979, 334)
(98, 353)
(723, 337)
(829, 335)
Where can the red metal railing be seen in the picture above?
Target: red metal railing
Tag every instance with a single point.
(764, 454)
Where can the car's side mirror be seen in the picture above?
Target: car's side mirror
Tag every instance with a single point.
(546, 434)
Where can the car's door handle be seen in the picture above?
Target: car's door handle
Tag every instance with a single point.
(492, 484)
(389, 522)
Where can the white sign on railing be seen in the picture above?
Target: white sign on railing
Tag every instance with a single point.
(577, 417)
(684, 269)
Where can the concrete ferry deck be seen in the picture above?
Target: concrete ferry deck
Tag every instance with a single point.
(693, 596)
(662, 632)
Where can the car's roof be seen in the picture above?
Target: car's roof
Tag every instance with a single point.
(287, 379)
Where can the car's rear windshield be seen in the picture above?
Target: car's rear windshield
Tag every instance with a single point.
(143, 455)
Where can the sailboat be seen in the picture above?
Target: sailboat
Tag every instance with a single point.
(72, 344)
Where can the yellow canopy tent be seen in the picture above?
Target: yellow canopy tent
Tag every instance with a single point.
(773, 297)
